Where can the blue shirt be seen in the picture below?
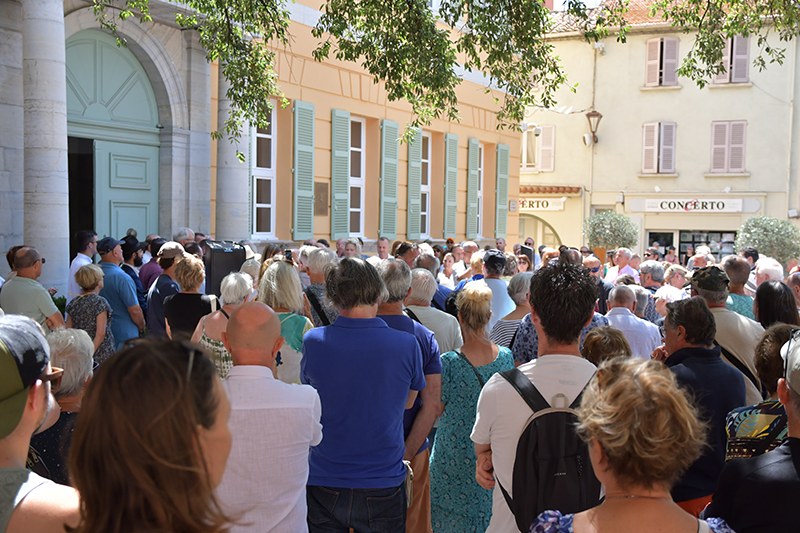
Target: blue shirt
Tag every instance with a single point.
(526, 345)
(363, 371)
(120, 292)
(431, 363)
(440, 297)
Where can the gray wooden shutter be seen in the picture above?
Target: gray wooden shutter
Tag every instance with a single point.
(719, 146)
(413, 224)
(725, 75)
(501, 193)
(740, 60)
(340, 174)
(472, 189)
(652, 62)
(450, 184)
(650, 148)
(666, 152)
(670, 63)
(547, 149)
(390, 156)
(303, 170)
(738, 134)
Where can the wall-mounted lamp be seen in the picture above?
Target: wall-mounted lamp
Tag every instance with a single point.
(657, 188)
(594, 120)
(726, 190)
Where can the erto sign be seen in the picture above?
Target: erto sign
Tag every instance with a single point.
(696, 205)
(541, 204)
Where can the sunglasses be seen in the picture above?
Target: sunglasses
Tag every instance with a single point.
(595, 269)
(54, 378)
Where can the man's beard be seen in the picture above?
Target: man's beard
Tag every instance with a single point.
(138, 261)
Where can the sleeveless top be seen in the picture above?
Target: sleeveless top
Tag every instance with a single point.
(219, 354)
(15, 484)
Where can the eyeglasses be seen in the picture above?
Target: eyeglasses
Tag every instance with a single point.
(663, 331)
(795, 333)
(585, 252)
(43, 260)
(54, 377)
(648, 254)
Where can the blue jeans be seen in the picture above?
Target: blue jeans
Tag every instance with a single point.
(334, 510)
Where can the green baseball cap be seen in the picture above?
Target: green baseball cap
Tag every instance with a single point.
(24, 354)
(710, 278)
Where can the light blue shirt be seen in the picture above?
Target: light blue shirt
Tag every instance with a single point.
(120, 292)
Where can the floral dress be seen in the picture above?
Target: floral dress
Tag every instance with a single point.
(555, 522)
(458, 503)
(84, 311)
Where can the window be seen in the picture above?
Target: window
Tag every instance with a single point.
(661, 62)
(425, 187)
(658, 148)
(480, 189)
(538, 151)
(728, 146)
(357, 175)
(735, 61)
(263, 173)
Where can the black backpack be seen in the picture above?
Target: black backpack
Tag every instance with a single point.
(450, 306)
(552, 470)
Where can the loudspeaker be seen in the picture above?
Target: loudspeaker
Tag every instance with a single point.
(221, 258)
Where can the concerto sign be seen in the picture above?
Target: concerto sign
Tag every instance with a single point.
(541, 204)
(696, 205)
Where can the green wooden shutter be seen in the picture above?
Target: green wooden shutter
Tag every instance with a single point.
(501, 193)
(340, 174)
(450, 184)
(414, 186)
(303, 210)
(390, 162)
(472, 190)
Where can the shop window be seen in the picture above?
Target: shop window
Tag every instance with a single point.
(357, 175)
(263, 148)
(658, 148)
(728, 146)
(661, 62)
(735, 61)
(720, 243)
(538, 152)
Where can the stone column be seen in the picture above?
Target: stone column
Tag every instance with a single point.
(46, 203)
(233, 180)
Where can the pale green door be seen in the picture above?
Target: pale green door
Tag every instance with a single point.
(126, 188)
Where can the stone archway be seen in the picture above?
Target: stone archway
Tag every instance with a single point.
(538, 228)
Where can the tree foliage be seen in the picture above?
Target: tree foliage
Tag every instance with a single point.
(773, 237)
(609, 229)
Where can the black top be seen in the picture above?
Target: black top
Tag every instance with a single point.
(53, 447)
(604, 289)
(183, 311)
(163, 286)
(718, 389)
(760, 494)
(141, 294)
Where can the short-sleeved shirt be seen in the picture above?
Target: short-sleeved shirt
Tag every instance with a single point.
(740, 304)
(164, 286)
(526, 345)
(363, 371)
(120, 292)
(184, 311)
(431, 361)
(15, 485)
(25, 296)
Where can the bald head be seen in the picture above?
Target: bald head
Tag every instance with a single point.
(622, 296)
(253, 335)
(592, 263)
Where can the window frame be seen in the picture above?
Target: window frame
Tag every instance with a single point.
(728, 147)
(729, 63)
(659, 147)
(523, 165)
(425, 207)
(665, 77)
(359, 182)
(263, 173)
(479, 195)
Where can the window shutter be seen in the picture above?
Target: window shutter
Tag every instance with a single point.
(472, 189)
(650, 148)
(547, 149)
(501, 193)
(450, 184)
(303, 210)
(725, 77)
(740, 63)
(666, 160)
(390, 155)
(719, 146)
(670, 76)
(414, 184)
(340, 174)
(738, 130)
(652, 62)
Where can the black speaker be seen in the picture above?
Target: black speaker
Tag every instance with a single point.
(221, 258)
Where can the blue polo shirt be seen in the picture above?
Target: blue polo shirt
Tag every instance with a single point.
(363, 371)
(120, 292)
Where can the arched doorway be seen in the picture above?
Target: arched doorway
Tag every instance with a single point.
(542, 232)
(113, 128)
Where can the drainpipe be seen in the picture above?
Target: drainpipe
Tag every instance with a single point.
(791, 131)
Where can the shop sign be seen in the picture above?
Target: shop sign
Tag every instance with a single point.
(696, 205)
(541, 204)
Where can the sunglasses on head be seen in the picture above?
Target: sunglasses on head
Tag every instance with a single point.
(54, 377)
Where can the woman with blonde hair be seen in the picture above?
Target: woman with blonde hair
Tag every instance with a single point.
(92, 313)
(676, 276)
(464, 372)
(184, 310)
(643, 433)
(280, 288)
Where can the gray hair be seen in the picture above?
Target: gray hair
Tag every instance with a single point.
(72, 350)
(428, 262)
(280, 287)
(251, 267)
(622, 294)
(626, 252)
(352, 282)
(642, 298)
(770, 268)
(712, 297)
(320, 258)
(520, 286)
(470, 243)
(423, 285)
(654, 268)
(302, 256)
(182, 233)
(235, 288)
(396, 277)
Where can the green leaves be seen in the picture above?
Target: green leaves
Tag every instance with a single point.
(609, 229)
(773, 237)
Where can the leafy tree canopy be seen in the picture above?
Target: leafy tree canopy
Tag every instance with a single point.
(773, 237)
(609, 229)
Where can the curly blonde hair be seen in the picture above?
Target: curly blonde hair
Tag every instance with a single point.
(475, 305)
(190, 272)
(645, 423)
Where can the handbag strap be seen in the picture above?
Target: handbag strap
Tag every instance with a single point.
(477, 375)
(736, 362)
(412, 315)
(312, 299)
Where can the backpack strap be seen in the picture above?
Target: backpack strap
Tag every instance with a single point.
(526, 389)
(577, 401)
(312, 299)
(411, 315)
(740, 367)
(513, 339)
(436, 305)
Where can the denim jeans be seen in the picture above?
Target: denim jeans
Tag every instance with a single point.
(334, 510)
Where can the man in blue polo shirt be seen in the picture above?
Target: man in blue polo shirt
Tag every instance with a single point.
(120, 291)
(365, 373)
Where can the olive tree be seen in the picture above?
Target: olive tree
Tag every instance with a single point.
(773, 237)
(609, 229)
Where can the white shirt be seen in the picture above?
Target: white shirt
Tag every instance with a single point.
(642, 335)
(740, 336)
(274, 425)
(502, 415)
(73, 289)
(502, 304)
(444, 326)
(459, 268)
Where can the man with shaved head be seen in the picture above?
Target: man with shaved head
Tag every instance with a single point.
(274, 425)
(642, 335)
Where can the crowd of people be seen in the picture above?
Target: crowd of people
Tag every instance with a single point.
(426, 388)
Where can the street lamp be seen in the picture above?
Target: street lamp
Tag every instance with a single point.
(594, 119)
